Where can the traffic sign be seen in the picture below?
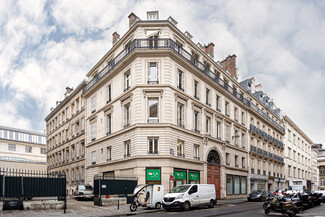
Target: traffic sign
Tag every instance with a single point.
(172, 177)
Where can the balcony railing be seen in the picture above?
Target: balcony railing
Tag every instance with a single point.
(265, 135)
(253, 149)
(170, 44)
(153, 120)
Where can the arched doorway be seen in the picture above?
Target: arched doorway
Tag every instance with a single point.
(213, 170)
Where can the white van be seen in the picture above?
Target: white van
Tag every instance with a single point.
(187, 196)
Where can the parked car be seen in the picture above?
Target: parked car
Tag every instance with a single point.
(278, 192)
(258, 195)
(84, 192)
(187, 196)
(322, 198)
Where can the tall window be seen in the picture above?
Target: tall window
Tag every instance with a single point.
(180, 148)
(43, 150)
(196, 122)
(196, 90)
(127, 148)
(93, 157)
(236, 160)
(228, 133)
(82, 124)
(109, 124)
(153, 73)
(127, 81)
(77, 105)
(72, 130)
(109, 93)
(207, 97)
(67, 113)
(229, 184)
(207, 125)
(109, 153)
(93, 131)
(153, 110)
(153, 146)
(28, 149)
(127, 115)
(243, 162)
(227, 109)
(196, 152)
(180, 80)
(93, 104)
(243, 140)
(180, 115)
(243, 118)
(218, 106)
(218, 130)
(77, 150)
(11, 147)
(236, 113)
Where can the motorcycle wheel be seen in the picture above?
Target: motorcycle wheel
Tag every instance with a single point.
(267, 211)
(265, 205)
(133, 207)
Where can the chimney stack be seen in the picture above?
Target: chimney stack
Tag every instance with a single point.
(209, 49)
(230, 64)
(68, 91)
(132, 19)
(116, 37)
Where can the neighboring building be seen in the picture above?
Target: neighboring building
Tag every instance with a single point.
(266, 161)
(321, 165)
(65, 128)
(298, 155)
(314, 168)
(22, 150)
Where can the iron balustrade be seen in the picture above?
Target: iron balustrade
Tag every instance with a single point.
(265, 135)
(259, 151)
(253, 149)
(170, 44)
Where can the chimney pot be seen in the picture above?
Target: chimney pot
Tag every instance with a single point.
(132, 19)
(209, 49)
(116, 37)
(230, 64)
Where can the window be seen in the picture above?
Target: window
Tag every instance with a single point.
(228, 159)
(127, 148)
(153, 110)
(93, 104)
(72, 175)
(229, 184)
(109, 124)
(243, 162)
(109, 93)
(196, 122)
(243, 185)
(236, 137)
(218, 106)
(236, 114)
(93, 157)
(180, 115)
(218, 129)
(180, 78)
(236, 160)
(82, 124)
(228, 134)
(243, 144)
(28, 149)
(153, 146)
(207, 97)
(243, 118)
(77, 105)
(109, 153)
(82, 173)
(153, 73)
(227, 109)
(72, 130)
(127, 115)
(127, 81)
(93, 131)
(207, 125)
(11, 147)
(196, 152)
(180, 148)
(236, 185)
(77, 150)
(43, 150)
(196, 90)
(67, 113)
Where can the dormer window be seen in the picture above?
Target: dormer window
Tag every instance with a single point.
(153, 15)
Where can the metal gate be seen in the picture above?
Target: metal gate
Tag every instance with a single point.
(120, 186)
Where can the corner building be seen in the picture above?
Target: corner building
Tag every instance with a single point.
(157, 105)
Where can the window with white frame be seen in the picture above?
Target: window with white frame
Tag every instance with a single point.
(218, 129)
(208, 125)
(196, 152)
(243, 138)
(180, 114)
(109, 153)
(93, 157)
(196, 90)
(127, 115)
(153, 147)
(236, 113)
(109, 124)
(153, 110)
(180, 148)
(77, 150)
(180, 80)
(72, 175)
(243, 118)
(218, 103)
(236, 137)
(93, 131)
(127, 80)
(196, 121)
(207, 97)
(227, 108)
(11, 147)
(82, 124)
(109, 93)
(127, 148)
(73, 130)
(228, 132)
(93, 104)
(153, 73)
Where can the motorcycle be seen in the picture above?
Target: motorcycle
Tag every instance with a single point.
(278, 205)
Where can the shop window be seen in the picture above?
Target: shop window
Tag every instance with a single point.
(153, 176)
(194, 177)
(229, 185)
(243, 185)
(236, 185)
(180, 177)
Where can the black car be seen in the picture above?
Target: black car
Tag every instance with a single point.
(258, 195)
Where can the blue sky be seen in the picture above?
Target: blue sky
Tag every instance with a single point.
(48, 45)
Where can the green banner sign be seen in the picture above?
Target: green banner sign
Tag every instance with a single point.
(180, 175)
(194, 176)
(153, 174)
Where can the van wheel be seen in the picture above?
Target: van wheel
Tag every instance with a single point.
(133, 207)
(158, 205)
(186, 206)
(211, 205)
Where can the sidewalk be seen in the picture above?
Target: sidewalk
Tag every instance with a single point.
(318, 211)
(231, 201)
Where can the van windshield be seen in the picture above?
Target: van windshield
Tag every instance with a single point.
(180, 189)
(296, 188)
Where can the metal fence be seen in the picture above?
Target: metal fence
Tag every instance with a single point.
(17, 186)
(119, 186)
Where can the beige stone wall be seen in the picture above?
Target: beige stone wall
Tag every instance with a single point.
(23, 166)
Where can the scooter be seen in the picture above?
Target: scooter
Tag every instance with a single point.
(277, 205)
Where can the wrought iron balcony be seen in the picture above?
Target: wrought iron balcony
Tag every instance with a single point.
(153, 82)
(153, 120)
(259, 151)
(196, 158)
(253, 149)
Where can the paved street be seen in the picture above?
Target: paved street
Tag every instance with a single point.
(224, 208)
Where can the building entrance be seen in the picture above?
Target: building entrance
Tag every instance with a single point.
(213, 173)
